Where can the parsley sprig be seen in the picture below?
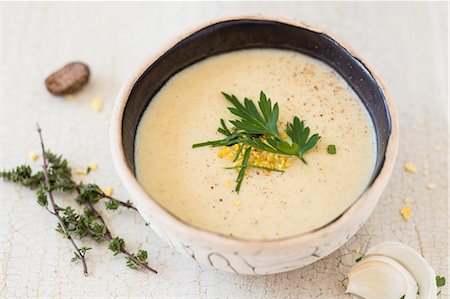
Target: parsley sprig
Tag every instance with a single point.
(258, 128)
(56, 176)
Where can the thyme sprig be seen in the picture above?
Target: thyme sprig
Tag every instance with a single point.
(56, 176)
(258, 128)
(46, 188)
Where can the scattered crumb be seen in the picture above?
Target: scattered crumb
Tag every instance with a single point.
(407, 200)
(436, 147)
(426, 172)
(409, 167)
(106, 117)
(406, 212)
(430, 186)
(69, 97)
(422, 122)
(237, 202)
(93, 166)
(80, 171)
(228, 183)
(357, 250)
(96, 104)
(34, 156)
(108, 191)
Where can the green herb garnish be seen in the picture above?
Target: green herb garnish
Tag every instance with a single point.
(257, 128)
(331, 149)
(359, 258)
(440, 281)
(241, 174)
(56, 175)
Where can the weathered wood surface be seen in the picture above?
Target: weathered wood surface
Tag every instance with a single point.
(405, 43)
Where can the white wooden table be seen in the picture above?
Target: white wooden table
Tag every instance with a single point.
(406, 44)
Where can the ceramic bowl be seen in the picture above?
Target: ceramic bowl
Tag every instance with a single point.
(228, 253)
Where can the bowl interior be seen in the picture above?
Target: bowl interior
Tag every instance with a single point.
(240, 34)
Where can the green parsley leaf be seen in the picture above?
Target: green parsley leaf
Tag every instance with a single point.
(331, 149)
(258, 128)
(440, 281)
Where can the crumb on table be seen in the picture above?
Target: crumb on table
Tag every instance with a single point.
(409, 167)
(80, 171)
(108, 191)
(34, 156)
(96, 104)
(93, 166)
(406, 212)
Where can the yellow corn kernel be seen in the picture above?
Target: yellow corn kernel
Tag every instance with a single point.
(237, 202)
(228, 183)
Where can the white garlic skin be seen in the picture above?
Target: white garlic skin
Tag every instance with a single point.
(379, 277)
(412, 261)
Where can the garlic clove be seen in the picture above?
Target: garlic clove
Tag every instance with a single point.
(412, 261)
(381, 277)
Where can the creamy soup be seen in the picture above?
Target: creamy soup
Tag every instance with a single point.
(192, 184)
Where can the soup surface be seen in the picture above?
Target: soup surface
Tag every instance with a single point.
(193, 185)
